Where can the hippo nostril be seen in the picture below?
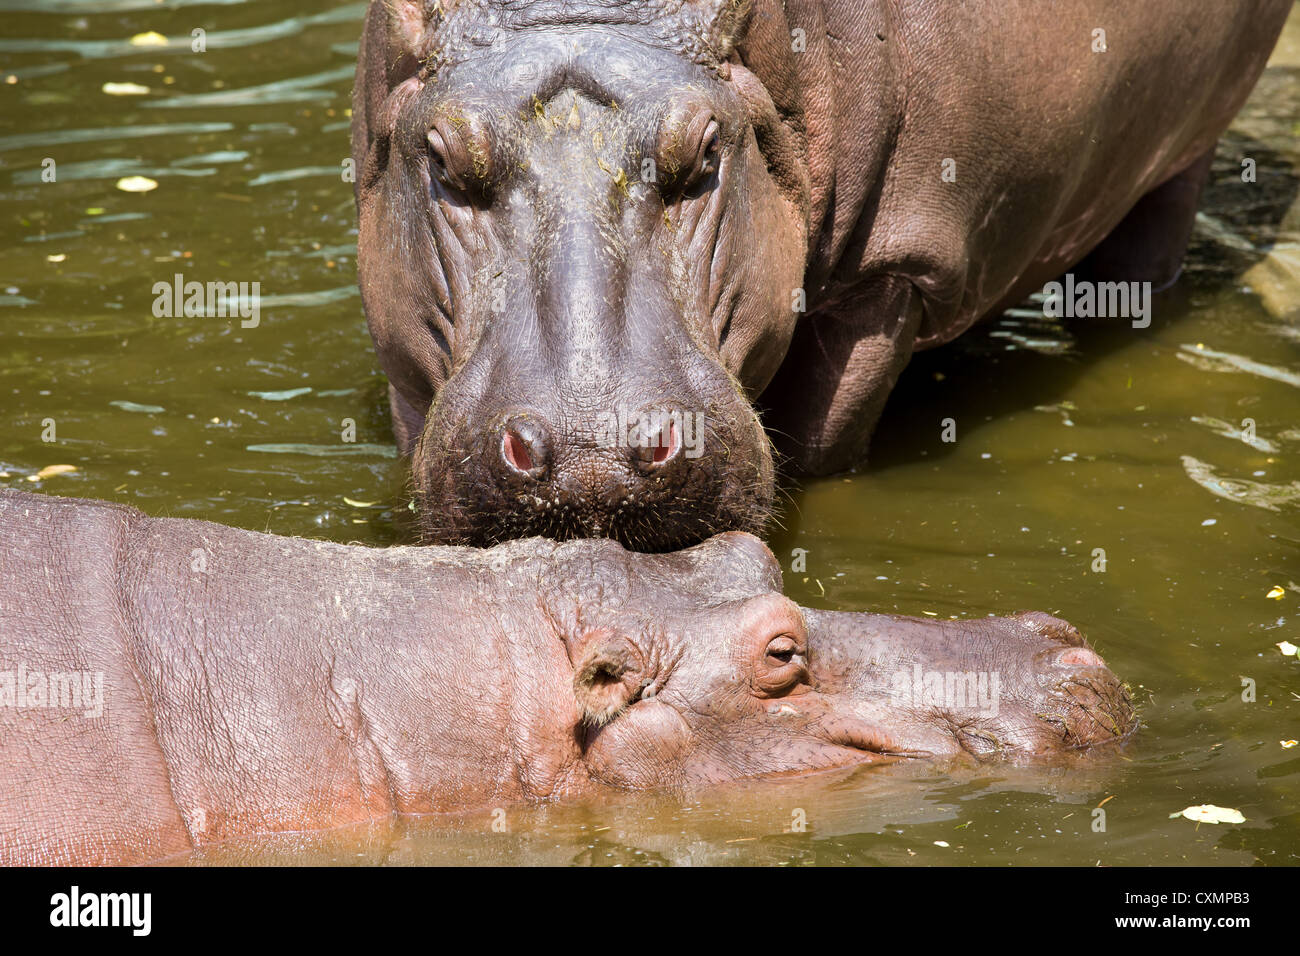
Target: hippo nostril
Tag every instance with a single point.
(1079, 657)
(524, 447)
(658, 444)
(666, 444)
(516, 452)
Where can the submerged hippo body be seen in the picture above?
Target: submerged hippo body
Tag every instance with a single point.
(166, 683)
(592, 233)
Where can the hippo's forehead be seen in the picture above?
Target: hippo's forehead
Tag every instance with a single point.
(700, 31)
(521, 69)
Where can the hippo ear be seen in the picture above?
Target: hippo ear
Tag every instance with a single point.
(394, 40)
(724, 23)
(609, 675)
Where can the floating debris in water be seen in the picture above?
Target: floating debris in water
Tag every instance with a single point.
(151, 38)
(1209, 813)
(49, 471)
(124, 89)
(136, 184)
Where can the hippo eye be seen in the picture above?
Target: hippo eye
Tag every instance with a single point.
(709, 156)
(782, 666)
(711, 152)
(438, 169)
(782, 650)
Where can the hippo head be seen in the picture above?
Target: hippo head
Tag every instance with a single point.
(559, 205)
(692, 668)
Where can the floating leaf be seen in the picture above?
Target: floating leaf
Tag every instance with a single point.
(1276, 593)
(149, 39)
(360, 504)
(1287, 648)
(124, 89)
(1288, 744)
(136, 184)
(49, 471)
(1209, 813)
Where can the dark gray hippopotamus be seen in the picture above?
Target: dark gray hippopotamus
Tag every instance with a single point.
(169, 683)
(593, 234)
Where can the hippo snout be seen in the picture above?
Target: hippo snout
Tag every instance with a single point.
(529, 446)
(656, 476)
(1026, 685)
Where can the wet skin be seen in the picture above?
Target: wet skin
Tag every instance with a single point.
(595, 238)
(253, 683)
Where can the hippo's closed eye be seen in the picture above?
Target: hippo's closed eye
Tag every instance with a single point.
(690, 148)
(708, 151)
(782, 649)
(460, 155)
(775, 643)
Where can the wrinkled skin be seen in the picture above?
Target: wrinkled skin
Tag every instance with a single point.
(256, 684)
(529, 290)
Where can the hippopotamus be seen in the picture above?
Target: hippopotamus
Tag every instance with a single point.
(607, 249)
(170, 683)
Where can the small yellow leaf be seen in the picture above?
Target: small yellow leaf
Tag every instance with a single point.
(136, 184)
(1209, 813)
(1288, 744)
(360, 504)
(49, 471)
(149, 39)
(1287, 648)
(1276, 593)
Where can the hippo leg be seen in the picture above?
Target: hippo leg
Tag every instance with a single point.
(1148, 244)
(843, 362)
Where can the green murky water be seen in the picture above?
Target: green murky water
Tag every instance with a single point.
(1070, 438)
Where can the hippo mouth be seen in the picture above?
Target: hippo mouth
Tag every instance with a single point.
(500, 487)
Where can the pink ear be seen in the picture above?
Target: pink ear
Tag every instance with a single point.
(408, 24)
(723, 22)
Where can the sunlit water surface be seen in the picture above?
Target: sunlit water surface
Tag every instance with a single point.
(1070, 438)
